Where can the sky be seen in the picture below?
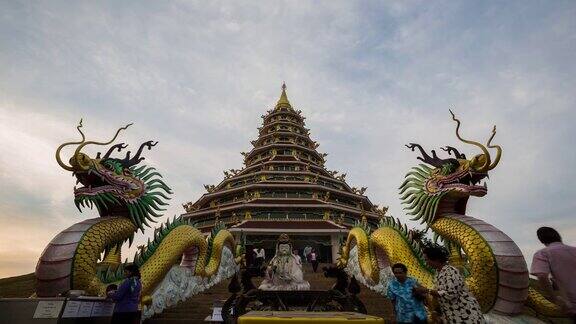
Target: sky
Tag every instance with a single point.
(370, 76)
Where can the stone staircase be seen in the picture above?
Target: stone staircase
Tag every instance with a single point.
(196, 308)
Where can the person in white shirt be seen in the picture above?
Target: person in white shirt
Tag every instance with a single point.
(298, 258)
(260, 257)
(307, 251)
(313, 259)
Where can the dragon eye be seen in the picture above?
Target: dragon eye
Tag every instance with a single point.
(113, 166)
(447, 168)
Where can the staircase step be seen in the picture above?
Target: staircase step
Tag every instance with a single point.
(197, 308)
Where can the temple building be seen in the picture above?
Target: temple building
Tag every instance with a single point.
(284, 187)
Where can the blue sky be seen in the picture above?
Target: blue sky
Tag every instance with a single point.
(369, 76)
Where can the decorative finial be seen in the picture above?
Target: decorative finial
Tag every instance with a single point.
(283, 101)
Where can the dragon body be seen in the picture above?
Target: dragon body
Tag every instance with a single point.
(436, 193)
(127, 196)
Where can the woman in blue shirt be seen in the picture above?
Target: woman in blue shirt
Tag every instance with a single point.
(127, 297)
(407, 307)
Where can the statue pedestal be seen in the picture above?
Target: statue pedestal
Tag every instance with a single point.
(342, 298)
(281, 285)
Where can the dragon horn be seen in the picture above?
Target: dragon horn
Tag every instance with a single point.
(100, 143)
(58, 159)
(484, 167)
(497, 147)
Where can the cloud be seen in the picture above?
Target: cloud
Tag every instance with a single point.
(369, 77)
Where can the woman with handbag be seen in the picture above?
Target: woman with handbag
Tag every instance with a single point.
(457, 304)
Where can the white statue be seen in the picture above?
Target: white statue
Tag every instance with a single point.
(285, 269)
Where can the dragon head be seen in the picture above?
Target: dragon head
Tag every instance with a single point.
(444, 185)
(117, 187)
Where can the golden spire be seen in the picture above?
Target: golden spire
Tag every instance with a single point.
(283, 101)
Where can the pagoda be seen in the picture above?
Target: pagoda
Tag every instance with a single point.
(284, 187)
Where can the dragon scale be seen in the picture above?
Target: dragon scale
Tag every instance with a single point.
(436, 194)
(127, 196)
(81, 246)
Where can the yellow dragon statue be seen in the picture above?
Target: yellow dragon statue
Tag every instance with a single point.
(436, 193)
(127, 196)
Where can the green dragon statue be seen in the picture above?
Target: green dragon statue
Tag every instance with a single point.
(436, 193)
(128, 196)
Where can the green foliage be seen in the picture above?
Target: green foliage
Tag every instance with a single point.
(18, 287)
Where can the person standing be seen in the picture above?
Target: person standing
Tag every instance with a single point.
(254, 257)
(298, 258)
(559, 261)
(307, 251)
(313, 259)
(127, 297)
(260, 257)
(408, 308)
(456, 302)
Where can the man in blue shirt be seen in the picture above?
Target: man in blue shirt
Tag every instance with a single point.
(407, 307)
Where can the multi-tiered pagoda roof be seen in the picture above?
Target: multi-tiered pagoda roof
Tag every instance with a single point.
(283, 183)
